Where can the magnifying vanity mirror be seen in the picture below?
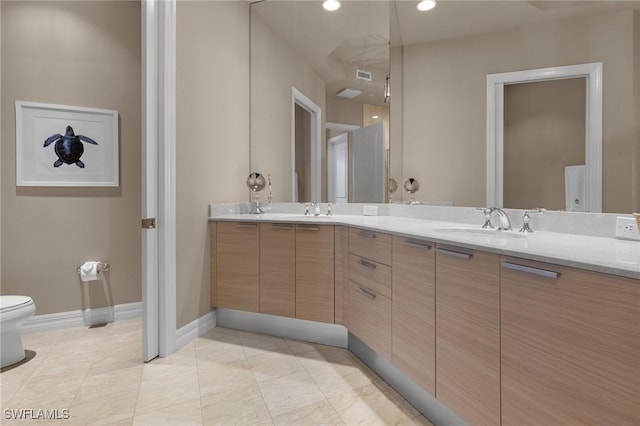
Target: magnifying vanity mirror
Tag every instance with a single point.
(436, 126)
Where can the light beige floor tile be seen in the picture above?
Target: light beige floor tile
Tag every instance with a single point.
(102, 409)
(290, 392)
(125, 381)
(260, 344)
(324, 356)
(167, 385)
(42, 340)
(320, 413)
(273, 365)
(208, 351)
(186, 414)
(416, 421)
(51, 392)
(185, 356)
(336, 379)
(240, 406)
(221, 334)
(368, 406)
(216, 379)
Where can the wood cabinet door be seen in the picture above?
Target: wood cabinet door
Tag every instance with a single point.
(468, 333)
(315, 268)
(278, 269)
(341, 274)
(238, 264)
(570, 346)
(414, 311)
(213, 264)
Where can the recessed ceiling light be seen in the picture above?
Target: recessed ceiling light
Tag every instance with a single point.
(331, 5)
(425, 5)
(375, 116)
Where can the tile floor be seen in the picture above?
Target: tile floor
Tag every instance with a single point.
(225, 377)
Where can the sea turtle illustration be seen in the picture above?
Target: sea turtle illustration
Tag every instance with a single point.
(69, 147)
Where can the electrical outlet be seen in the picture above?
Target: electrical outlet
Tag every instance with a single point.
(370, 210)
(626, 228)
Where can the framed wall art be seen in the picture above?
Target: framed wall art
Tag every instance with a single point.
(61, 145)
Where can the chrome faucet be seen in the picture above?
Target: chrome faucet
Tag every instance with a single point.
(329, 210)
(316, 209)
(505, 222)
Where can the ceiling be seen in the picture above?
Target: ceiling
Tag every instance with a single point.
(358, 34)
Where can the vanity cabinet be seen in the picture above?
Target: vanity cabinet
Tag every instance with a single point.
(278, 269)
(369, 274)
(314, 282)
(570, 346)
(213, 264)
(413, 343)
(238, 265)
(468, 333)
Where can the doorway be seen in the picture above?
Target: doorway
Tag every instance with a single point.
(314, 130)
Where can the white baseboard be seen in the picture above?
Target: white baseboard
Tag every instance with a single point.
(195, 329)
(80, 318)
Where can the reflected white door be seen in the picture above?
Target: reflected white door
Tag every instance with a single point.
(368, 164)
(338, 168)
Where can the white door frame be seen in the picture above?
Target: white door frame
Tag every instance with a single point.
(331, 165)
(593, 132)
(298, 98)
(159, 177)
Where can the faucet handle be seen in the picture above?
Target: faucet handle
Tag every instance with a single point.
(329, 210)
(526, 217)
(307, 206)
(487, 216)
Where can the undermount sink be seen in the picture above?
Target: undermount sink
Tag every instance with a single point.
(481, 232)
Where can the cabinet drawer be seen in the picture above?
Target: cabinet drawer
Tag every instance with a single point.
(371, 245)
(370, 318)
(373, 275)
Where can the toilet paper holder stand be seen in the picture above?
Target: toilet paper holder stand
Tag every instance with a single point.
(99, 315)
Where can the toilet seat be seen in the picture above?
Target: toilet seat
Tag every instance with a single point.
(12, 303)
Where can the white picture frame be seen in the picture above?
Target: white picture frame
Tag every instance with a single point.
(37, 165)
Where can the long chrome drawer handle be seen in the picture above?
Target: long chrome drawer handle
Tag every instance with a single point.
(246, 225)
(281, 226)
(366, 234)
(307, 228)
(530, 270)
(367, 264)
(417, 244)
(454, 253)
(366, 293)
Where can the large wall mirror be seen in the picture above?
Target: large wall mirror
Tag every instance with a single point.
(439, 63)
(319, 99)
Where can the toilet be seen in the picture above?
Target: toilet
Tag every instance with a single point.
(14, 310)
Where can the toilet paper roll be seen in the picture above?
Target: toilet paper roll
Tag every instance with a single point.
(90, 271)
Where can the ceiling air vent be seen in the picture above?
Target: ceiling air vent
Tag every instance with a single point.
(349, 93)
(363, 75)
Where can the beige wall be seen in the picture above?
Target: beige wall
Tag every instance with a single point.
(212, 134)
(84, 54)
(444, 102)
(343, 111)
(275, 67)
(396, 120)
(544, 131)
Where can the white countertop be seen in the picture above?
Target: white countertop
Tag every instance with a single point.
(599, 254)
